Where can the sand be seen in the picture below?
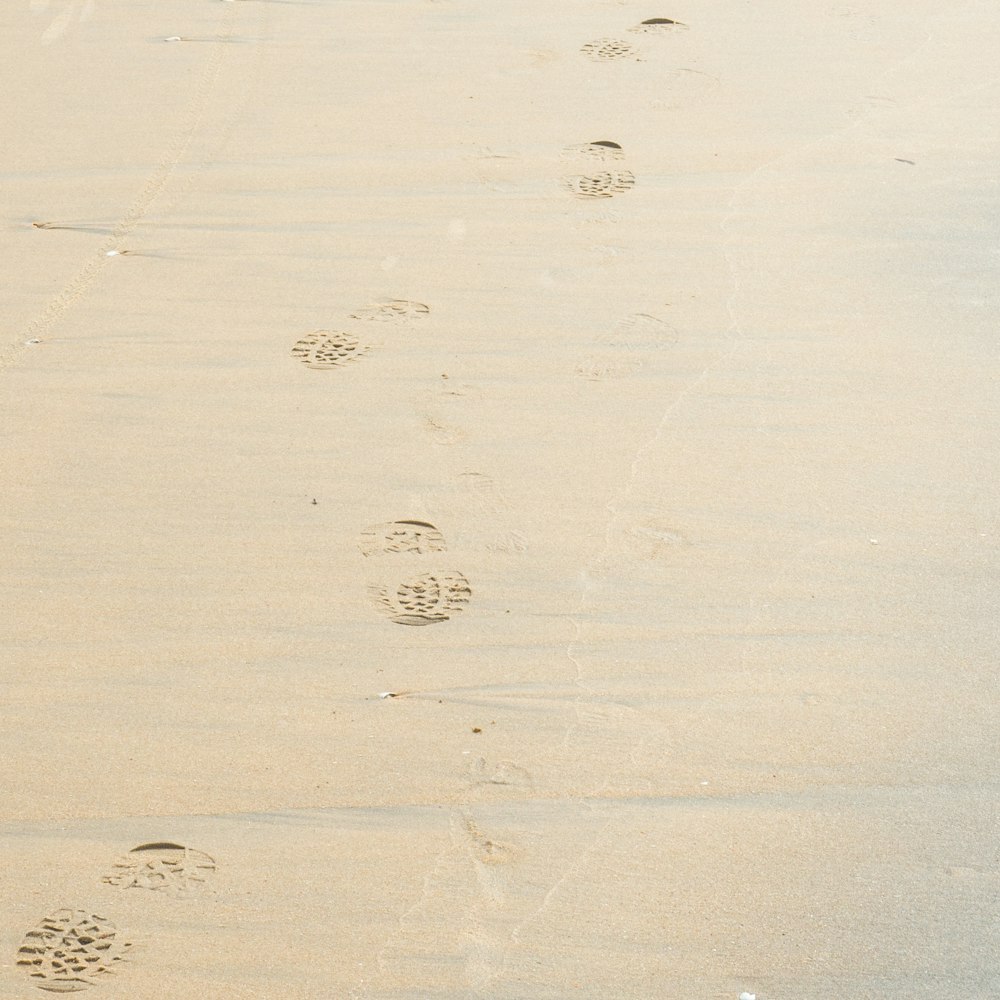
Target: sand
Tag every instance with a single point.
(505, 566)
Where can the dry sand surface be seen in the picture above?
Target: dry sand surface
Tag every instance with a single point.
(508, 491)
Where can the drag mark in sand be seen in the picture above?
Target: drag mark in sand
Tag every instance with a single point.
(169, 868)
(70, 950)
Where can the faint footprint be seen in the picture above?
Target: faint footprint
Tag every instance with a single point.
(70, 950)
(605, 184)
(168, 868)
(658, 26)
(392, 310)
(608, 49)
(444, 409)
(598, 368)
(644, 329)
(481, 492)
(602, 150)
(655, 538)
(419, 537)
(631, 344)
(483, 849)
(425, 599)
(503, 774)
(324, 349)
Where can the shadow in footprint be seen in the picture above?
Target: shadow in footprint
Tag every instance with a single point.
(658, 26)
(601, 150)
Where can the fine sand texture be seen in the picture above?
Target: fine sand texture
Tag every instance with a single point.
(499, 500)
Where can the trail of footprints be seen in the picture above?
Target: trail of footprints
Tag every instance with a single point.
(325, 349)
(70, 950)
(408, 597)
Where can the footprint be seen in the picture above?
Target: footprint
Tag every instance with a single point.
(485, 850)
(640, 329)
(655, 538)
(631, 344)
(658, 26)
(419, 537)
(70, 950)
(600, 367)
(483, 491)
(168, 868)
(392, 310)
(480, 494)
(425, 599)
(502, 774)
(602, 150)
(605, 184)
(608, 49)
(324, 349)
(444, 409)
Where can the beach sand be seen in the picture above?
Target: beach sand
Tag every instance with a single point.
(508, 566)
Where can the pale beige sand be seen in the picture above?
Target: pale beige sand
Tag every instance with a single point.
(717, 456)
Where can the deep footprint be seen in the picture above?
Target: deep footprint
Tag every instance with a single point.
(324, 349)
(419, 537)
(168, 868)
(424, 600)
(70, 950)
(605, 184)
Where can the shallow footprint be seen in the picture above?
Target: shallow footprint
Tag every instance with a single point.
(168, 868)
(324, 349)
(70, 950)
(425, 599)
(610, 49)
(392, 310)
(419, 537)
(605, 184)
(633, 342)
